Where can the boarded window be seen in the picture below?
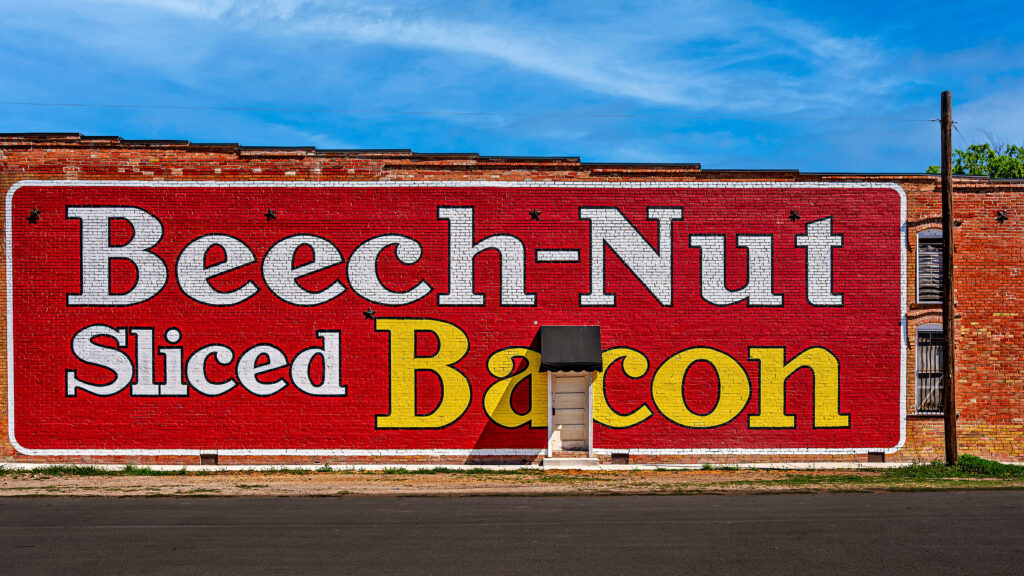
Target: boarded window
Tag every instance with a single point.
(929, 269)
(930, 369)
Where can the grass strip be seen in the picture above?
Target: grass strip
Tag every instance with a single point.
(968, 467)
(75, 470)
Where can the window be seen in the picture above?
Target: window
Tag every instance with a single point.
(929, 266)
(931, 361)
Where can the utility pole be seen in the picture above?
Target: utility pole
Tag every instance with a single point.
(948, 325)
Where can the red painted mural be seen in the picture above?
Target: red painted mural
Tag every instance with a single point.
(272, 318)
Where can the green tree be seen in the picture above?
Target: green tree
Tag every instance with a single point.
(984, 160)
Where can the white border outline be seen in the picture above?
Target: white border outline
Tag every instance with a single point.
(454, 184)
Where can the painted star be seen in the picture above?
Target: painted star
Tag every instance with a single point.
(534, 214)
(794, 215)
(33, 216)
(1001, 216)
(271, 214)
(369, 314)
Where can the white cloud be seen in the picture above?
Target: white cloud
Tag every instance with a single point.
(621, 81)
(651, 56)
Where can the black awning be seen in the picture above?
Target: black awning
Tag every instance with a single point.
(570, 348)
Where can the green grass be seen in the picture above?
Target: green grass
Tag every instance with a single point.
(707, 466)
(461, 471)
(967, 466)
(294, 471)
(499, 472)
(565, 476)
(200, 492)
(967, 471)
(64, 470)
(133, 470)
(389, 470)
(815, 479)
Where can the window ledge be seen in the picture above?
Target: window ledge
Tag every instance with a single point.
(926, 415)
(926, 305)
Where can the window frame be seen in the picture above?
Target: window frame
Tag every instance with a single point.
(928, 234)
(933, 328)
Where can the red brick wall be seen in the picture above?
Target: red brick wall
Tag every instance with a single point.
(988, 286)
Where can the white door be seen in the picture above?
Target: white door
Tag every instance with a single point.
(570, 408)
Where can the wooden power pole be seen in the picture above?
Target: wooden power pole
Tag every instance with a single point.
(948, 325)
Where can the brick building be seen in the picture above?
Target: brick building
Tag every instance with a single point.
(168, 300)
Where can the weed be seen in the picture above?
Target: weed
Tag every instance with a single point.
(828, 479)
(555, 478)
(428, 471)
(60, 470)
(396, 470)
(975, 467)
(293, 471)
(707, 466)
(458, 471)
(198, 492)
(502, 472)
(967, 466)
(75, 470)
(132, 470)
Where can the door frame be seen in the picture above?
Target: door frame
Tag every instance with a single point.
(588, 424)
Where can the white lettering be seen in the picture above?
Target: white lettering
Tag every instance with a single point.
(362, 270)
(462, 253)
(194, 276)
(196, 369)
(281, 275)
(758, 289)
(112, 359)
(819, 242)
(249, 369)
(330, 352)
(608, 227)
(97, 252)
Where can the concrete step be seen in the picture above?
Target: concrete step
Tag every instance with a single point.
(569, 454)
(570, 463)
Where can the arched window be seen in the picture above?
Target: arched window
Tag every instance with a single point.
(931, 360)
(929, 266)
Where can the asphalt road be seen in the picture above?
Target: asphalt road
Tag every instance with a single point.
(904, 533)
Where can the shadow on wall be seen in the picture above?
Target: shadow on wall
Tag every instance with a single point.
(517, 403)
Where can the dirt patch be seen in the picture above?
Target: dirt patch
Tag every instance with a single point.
(478, 482)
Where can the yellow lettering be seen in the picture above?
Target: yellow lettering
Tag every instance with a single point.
(634, 365)
(774, 373)
(733, 388)
(455, 390)
(498, 398)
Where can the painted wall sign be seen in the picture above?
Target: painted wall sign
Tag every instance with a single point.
(364, 318)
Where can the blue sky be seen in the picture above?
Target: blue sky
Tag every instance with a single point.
(816, 86)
